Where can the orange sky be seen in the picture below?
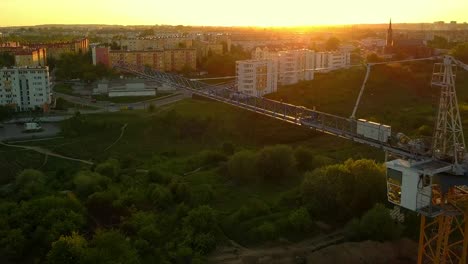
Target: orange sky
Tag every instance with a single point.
(229, 13)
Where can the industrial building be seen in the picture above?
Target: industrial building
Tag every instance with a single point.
(25, 88)
(256, 77)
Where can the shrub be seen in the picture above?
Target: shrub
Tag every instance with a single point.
(276, 163)
(241, 166)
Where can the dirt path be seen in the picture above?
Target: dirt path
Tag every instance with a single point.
(122, 131)
(46, 152)
(237, 254)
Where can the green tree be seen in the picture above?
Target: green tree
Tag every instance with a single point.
(439, 42)
(351, 188)
(332, 44)
(300, 220)
(6, 112)
(29, 183)
(376, 224)
(241, 166)
(461, 52)
(109, 247)
(304, 158)
(87, 182)
(276, 163)
(6, 59)
(67, 249)
(109, 168)
(161, 196)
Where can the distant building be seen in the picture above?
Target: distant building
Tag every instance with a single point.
(300, 64)
(31, 57)
(206, 48)
(256, 77)
(155, 43)
(25, 88)
(410, 47)
(332, 60)
(55, 50)
(161, 60)
(295, 66)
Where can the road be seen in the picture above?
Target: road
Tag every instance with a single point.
(114, 107)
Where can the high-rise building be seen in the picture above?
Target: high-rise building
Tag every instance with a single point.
(25, 88)
(256, 77)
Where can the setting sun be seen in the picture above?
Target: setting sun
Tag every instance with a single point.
(229, 13)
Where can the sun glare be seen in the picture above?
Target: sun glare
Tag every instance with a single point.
(228, 13)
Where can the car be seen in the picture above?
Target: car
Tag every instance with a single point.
(93, 100)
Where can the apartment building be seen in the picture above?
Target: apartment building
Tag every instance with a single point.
(329, 61)
(30, 57)
(25, 88)
(256, 77)
(295, 66)
(55, 50)
(155, 43)
(160, 60)
(292, 65)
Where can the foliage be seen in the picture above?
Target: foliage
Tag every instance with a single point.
(376, 224)
(6, 112)
(67, 249)
(6, 59)
(276, 163)
(373, 58)
(351, 188)
(30, 183)
(79, 66)
(304, 158)
(461, 52)
(439, 42)
(87, 182)
(332, 44)
(241, 166)
(300, 220)
(109, 168)
(110, 247)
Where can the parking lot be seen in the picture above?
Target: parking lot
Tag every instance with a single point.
(15, 131)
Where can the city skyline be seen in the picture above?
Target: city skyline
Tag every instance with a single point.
(242, 13)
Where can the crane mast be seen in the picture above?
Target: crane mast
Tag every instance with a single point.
(432, 181)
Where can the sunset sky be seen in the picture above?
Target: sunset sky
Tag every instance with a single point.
(228, 13)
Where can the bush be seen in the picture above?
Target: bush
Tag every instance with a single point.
(241, 166)
(376, 224)
(350, 188)
(30, 182)
(161, 196)
(157, 176)
(300, 220)
(276, 163)
(109, 168)
(87, 182)
(304, 159)
(265, 231)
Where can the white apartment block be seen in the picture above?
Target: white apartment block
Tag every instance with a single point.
(256, 77)
(329, 61)
(292, 65)
(25, 88)
(295, 66)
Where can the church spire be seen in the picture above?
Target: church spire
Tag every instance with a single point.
(390, 35)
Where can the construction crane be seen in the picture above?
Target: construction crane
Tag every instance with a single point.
(430, 180)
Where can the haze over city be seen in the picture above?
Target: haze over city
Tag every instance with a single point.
(229, 13)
